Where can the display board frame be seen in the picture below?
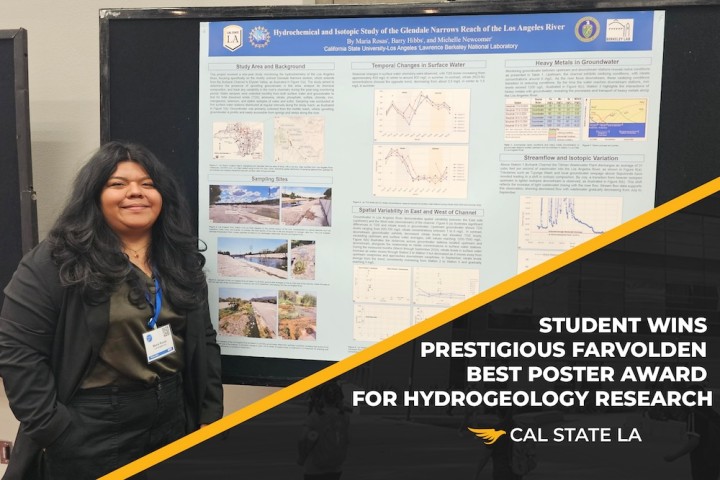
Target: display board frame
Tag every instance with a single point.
(19, 215)
(149, 97)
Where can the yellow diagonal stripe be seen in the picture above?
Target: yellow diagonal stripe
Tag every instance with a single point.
(415, 331)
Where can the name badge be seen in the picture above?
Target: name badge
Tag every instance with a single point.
(158, 343)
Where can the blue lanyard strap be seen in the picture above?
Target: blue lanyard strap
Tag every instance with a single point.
(157, 306)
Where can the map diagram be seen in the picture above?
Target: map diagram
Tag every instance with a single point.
(616, 119)
(420, 171)
(428, 116)
(299, 140)
(238, 141)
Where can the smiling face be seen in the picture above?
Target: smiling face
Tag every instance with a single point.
(129, 202)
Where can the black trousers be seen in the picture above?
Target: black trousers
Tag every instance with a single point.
(323, 476)
(112, 427)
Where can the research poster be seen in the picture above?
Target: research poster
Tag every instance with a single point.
(359, 175)
(606, 368)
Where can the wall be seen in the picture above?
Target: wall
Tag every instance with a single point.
(63, 51)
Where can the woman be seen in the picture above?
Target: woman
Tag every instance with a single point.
(501, 451)
(703, 440)
(107, 351)
(323, 445)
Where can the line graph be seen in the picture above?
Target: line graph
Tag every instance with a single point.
(381, 284)
(616, 119)
(531, 258)
(437, 172)
(424, 312)
(372, 323)
(560, 223)
(411, 109)
(426, 171)
(444, 286)
(415, 115)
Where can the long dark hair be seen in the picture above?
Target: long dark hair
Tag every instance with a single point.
(329, 395)
(89, 254)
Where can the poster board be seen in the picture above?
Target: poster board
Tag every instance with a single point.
(151, 93)
(18, 215)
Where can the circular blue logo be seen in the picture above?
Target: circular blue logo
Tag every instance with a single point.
(148, 338)
(259, 37)
(587, 29)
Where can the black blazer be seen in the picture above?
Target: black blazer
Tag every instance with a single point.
(49, 341)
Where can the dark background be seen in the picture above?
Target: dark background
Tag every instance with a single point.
(670, 268)
(18, 219)
(149, 93)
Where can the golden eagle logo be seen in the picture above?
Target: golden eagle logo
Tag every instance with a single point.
(490, 435)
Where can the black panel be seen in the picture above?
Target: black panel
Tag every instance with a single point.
(149, 94)
(688, 150)
(154, 92)
(18, 222)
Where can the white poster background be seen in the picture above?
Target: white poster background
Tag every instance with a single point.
(401, 165)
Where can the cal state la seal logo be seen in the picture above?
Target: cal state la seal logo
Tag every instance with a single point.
(587, 29)
(232, 37)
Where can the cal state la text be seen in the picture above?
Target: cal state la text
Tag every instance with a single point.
(576, 435)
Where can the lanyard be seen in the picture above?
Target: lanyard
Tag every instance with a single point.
(156, 307)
